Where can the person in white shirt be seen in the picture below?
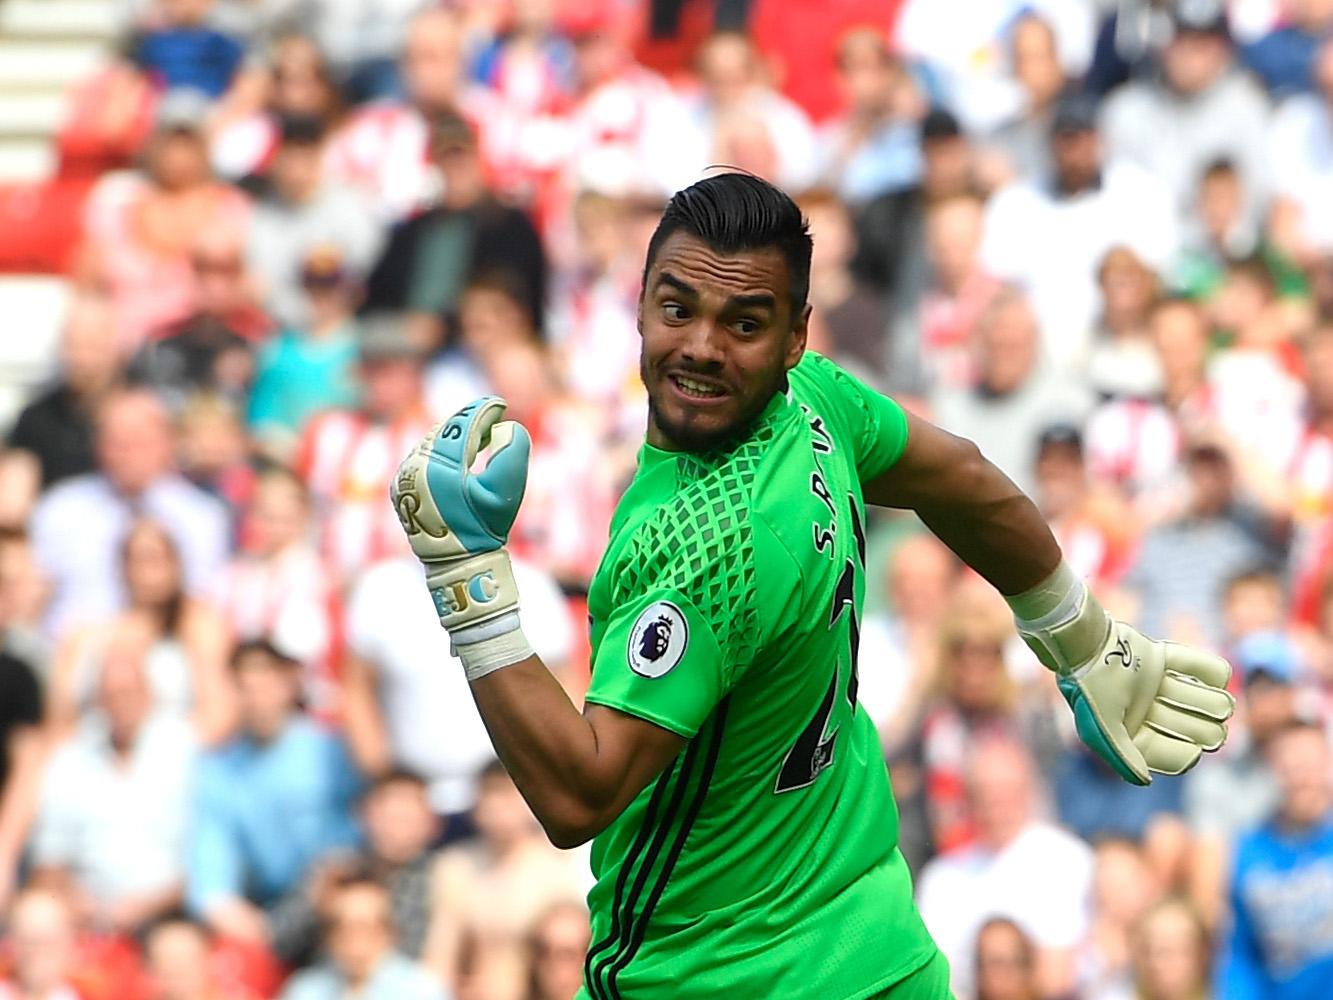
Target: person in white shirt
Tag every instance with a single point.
(1020, 867)
(79, 525)
(404, 700)
(1051, 237)
(112, 810)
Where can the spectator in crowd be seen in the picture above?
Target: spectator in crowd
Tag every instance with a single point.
(557, 946)
(1283, 59)
(362, 958)
(929, 342)
(134, 445)
(1005, 962)
(1135, 444)
(1023, 142)
(267, 804)
(1125, 886)
(1310, 469)
(1172, 954)
(139, 230)
(1052, 236)
(382, 148)
(181, 49)
(57, 427)
(348, 456)
(975, 703)
(182, 641)
(1182, 566)
(211, 349)
(872, 148)
(430, 258)
(295, 82)
(1224, 802)
(113, 810)
(1016, 393)
(1279, 945)
(734, 88)
(1020, 867)
(276, 585)
(890, 228)
(1091, 522)
(1299, 160)
(20, 699)
(303, 214)
(400, 691)
(399, 829)
(1122, 360)
(856, 317)
(1201, 99)
(898, 645)
(214, 450)
(476, 947)
(181, 965)
(43, 935)
(310, 368)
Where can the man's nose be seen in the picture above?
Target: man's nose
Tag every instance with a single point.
(703, 344)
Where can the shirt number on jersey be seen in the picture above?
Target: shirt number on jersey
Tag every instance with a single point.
(813, 750)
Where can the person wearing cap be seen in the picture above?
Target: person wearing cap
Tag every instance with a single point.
(268, 803)
(1199, 108)
(302, 213)
(1089, 523)
(308, 368)
(1051, 234)
(430, 258)
(347, 456)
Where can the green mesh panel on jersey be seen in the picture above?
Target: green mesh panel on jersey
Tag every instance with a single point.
(700, 545)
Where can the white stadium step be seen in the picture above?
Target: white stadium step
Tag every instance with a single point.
(41, 65)
(37, 114)
(59, 18)
(25, 160)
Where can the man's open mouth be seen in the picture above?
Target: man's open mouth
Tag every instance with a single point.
(696, 388)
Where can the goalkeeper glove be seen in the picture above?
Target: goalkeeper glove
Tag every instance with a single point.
(457, 523)
(1140, 704)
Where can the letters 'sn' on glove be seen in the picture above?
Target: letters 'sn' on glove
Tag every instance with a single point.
(1142, 705)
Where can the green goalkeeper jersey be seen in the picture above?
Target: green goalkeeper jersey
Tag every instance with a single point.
(763, 862)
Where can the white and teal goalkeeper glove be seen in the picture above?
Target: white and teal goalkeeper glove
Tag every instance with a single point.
(1140, 704)
(458, 521)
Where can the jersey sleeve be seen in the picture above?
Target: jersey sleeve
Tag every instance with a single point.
(875, 424)
(658, 659)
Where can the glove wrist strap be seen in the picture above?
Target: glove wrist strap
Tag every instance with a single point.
(1061, 621)
(485, 648)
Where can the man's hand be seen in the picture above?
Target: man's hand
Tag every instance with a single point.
(458, 521)
(1140, 704)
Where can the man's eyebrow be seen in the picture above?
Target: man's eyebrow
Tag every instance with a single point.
(759, 300)
(684, 287)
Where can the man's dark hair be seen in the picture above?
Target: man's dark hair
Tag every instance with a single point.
(396, 775)
(266, 648)
(735, 212)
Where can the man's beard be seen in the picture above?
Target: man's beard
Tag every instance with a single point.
(687, 438)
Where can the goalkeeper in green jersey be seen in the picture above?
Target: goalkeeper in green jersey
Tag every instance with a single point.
(744, 834)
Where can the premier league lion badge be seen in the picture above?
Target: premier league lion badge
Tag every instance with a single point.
(658, 639)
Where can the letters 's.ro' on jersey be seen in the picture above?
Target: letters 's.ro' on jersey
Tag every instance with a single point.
(763, 862)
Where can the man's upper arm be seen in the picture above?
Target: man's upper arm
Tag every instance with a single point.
(933, 466)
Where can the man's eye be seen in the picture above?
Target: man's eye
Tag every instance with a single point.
(675, 312)
(746, 327)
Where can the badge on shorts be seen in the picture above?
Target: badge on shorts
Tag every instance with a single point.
(658, 639)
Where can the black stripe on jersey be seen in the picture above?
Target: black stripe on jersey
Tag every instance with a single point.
(640, 842)
(640, 927)
(659, 838)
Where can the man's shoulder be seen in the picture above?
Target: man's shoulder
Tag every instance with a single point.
(71, 495)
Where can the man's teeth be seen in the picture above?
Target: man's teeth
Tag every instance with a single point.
(694, 388)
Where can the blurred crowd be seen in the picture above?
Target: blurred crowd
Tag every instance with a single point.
(237, 758)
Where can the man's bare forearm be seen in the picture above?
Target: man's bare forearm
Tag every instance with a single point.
(577, 772)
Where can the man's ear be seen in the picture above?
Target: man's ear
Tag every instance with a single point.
(638, 315)
(799, 332)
